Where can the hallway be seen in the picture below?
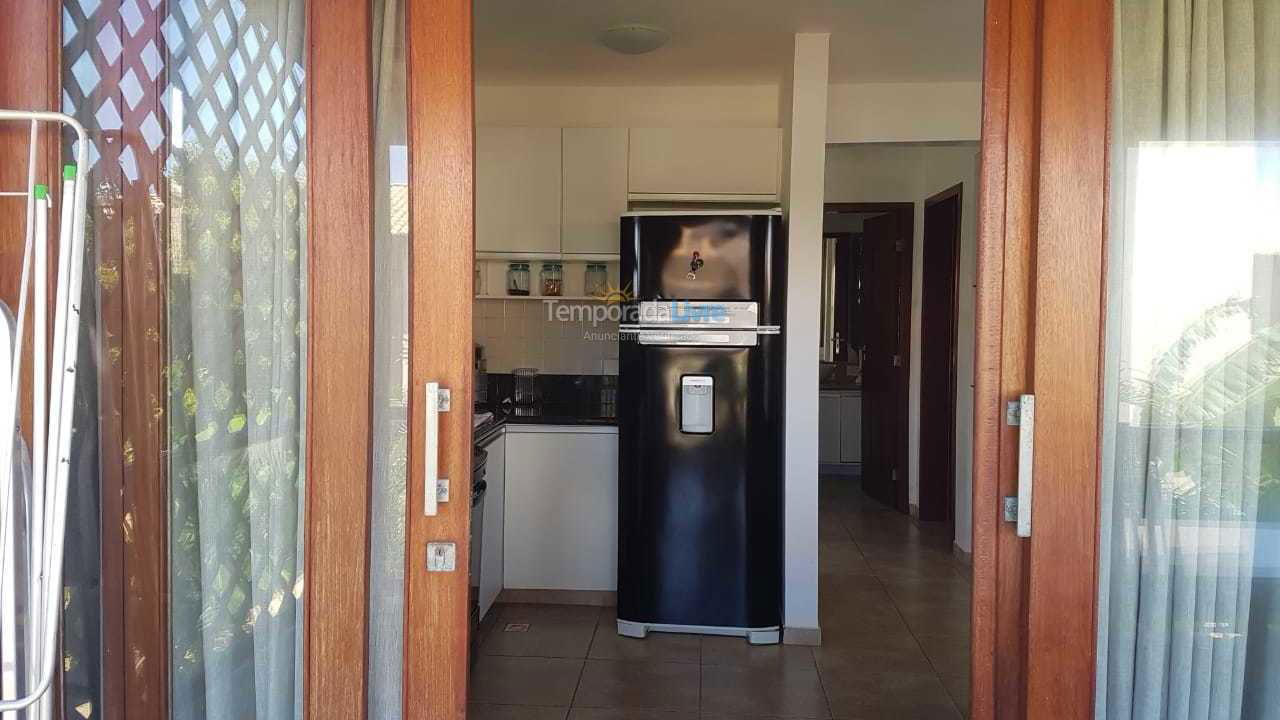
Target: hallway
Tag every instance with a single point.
(895, 622)
(894, 607)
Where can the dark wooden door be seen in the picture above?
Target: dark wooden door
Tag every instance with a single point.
(883, 362)
(941, 253)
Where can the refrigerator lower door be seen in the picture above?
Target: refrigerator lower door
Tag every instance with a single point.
(700, 489)
(697, 397)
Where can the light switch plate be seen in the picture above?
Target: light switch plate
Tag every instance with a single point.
(442, 490)
(441, 556)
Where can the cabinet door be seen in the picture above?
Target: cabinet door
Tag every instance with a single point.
(562, 510)
(677, 162)
(518, 190)
(851, 428)
(494, 510)
(828, 428)
(595, 189)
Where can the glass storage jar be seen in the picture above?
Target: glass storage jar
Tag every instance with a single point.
(596, 280)
(552, 279)
(518, 278)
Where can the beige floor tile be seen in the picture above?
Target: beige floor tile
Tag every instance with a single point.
(846, 655)
(892, 694)
(949, 654)
(563, 631)
(630, 714)
(736, 651)
(541, 681)
(486, 711)
(529, 612)
(842, 558)
(643, 685)
(831, 528)
(917, 711)
(745, 692)
(663, 647)
(958, 688)
(926, 620)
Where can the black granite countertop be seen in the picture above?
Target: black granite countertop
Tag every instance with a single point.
(558, 400)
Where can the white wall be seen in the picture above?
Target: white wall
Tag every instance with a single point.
(904, 112)
(621, 106)
(912, 172)
(804, 122)
(528, 333)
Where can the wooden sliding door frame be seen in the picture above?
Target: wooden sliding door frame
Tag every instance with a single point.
(1006, 213)
(1041, 264)
(441, 260)
(339, 357)
(339, 370)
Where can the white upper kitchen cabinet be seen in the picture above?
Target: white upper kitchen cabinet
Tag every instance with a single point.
(595, 189)
(704, 164)
(518, 190)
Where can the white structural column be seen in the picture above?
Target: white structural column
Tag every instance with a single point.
(804, 118)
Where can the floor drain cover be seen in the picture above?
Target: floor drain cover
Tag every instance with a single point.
(516, 627)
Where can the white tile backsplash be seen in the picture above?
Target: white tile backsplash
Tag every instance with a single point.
(519, 333)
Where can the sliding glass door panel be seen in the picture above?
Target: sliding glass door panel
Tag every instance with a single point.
(1189, 561)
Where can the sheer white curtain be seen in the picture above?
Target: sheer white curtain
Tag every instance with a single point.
(1189, 611)
(236, 329)
(391, 327)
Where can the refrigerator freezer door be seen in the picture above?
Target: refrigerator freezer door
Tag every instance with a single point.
(726, 338)
(725, 314)
(727, 259)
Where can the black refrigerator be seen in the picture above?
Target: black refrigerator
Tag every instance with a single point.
(700, 408)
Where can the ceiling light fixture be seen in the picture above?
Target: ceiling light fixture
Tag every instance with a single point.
(634, 39)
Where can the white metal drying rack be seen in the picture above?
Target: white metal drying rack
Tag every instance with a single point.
(44, 512)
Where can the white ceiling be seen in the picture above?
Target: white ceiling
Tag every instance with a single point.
(553, 42)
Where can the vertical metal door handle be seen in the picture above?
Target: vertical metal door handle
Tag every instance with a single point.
(1026, 461)
(431, 456)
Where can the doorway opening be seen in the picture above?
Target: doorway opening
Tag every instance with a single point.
(863, 407)
(899, 242)
(939, 320)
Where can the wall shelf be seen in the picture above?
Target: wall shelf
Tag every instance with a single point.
(547, 257)
(570, 298)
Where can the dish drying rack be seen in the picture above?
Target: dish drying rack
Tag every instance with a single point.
(33, 488)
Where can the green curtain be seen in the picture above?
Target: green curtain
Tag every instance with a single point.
(236, 371)
(1189, 612)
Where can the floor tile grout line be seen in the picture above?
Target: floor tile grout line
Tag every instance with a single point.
(573, 699)
(822, 683)
(894, 601)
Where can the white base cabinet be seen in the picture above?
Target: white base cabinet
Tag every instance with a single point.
(839, 428)
(491, 550)
(561, 529)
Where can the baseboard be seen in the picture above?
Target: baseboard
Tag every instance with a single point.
(914, 511)
(537, 596)
(810, 636)
(961, 554)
